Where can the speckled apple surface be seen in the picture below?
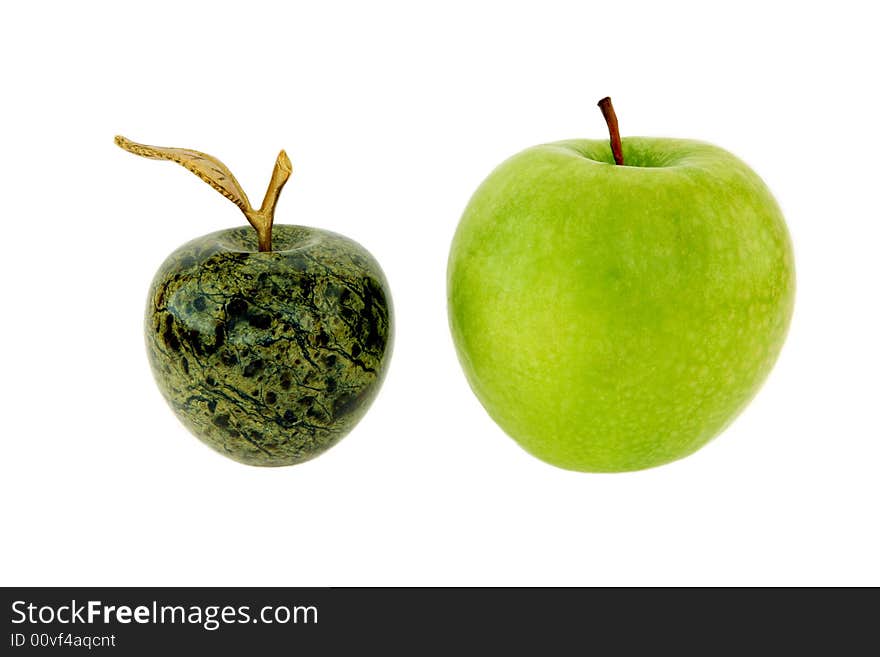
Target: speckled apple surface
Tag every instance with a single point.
(614, 318)
(269, 358)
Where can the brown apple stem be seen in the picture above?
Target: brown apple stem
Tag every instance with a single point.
(611, 119)
(263, 218)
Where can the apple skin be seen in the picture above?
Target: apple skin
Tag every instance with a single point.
(269, 358)
(614, 318)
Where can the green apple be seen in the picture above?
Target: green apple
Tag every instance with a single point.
(269, 346)
(613, 317)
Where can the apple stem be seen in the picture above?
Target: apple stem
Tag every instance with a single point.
(217, 175)
(611, 119)
(263, 218)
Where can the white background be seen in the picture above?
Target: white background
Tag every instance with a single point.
(392, 114)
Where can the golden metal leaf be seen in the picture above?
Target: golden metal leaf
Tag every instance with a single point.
(206, 167)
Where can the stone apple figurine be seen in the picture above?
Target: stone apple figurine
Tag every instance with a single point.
(269, 344)
(615, 308)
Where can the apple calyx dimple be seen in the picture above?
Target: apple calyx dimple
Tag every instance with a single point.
(218, 176)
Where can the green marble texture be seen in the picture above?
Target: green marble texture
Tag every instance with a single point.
(269, 358)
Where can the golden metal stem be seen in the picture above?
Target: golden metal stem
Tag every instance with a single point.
(263, 218)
